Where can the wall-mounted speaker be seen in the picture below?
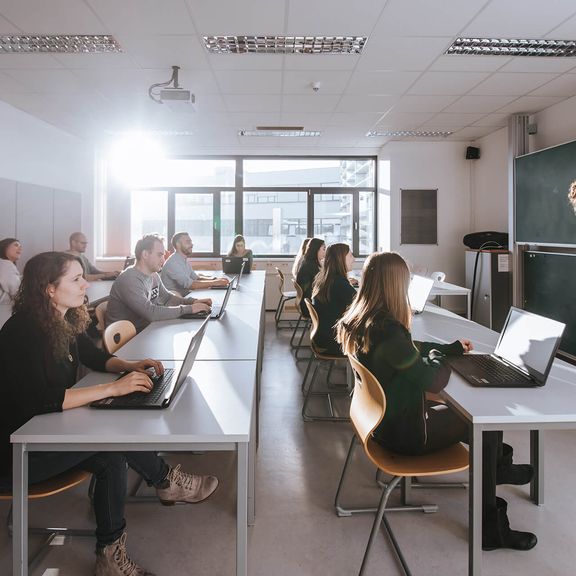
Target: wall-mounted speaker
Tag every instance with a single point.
(472, 153)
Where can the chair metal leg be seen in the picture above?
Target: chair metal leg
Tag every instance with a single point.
(289, 324)
(296, 328)
(303, 386)
(299, 347)
(310, 392)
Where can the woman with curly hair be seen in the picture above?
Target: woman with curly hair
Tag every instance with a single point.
(41, 347)
(376, 330)
(572, 195)
(332, 293)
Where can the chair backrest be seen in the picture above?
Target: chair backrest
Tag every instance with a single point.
(117, 334)
(313, 318)
(280, 280)
(299, 292)
(54, 485)
(129, 261)
(100, 312)
(368, 401)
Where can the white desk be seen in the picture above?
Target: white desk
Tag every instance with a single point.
(213, 411)
(446, 289)
(98, 291)
(536, 409)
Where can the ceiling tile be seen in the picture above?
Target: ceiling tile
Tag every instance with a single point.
(320, 61)
(249, 81)
(245, 61)
(332, 17)
(48, 81)
(471, 133)
(499, 120)
(448, 83)
(165, 51)
(362, 119)
(513, 84)
(401, 53)
(300, 81)
(564, 85)
(506, 19)
(529, 104)
(549, 65)
(445, 120)
(9, 84)
(483, 104)
(366, 102)
(23, 61)
(565, 30)
(309, 102)
(458, 63)
(90, 61)
(37, 17)
(381, 82)
(7, 27)
(253, 103)
(143, 16)
(425, 18)
(249, 120)
(310, 121)
(402, 121)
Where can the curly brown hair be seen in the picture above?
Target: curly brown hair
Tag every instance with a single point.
(32, 299)
(572, 195)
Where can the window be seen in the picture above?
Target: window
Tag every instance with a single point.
(194, 213)
(149, 215)
(333, 217)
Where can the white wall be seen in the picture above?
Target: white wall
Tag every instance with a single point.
(556, 125)
(432, 165)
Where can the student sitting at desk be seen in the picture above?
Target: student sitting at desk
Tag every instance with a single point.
(308, 268)
(78, 243)
(332, 294)
(41, 347)
(376, 329)
(178, 276)
(139, 295)
(10, 250)
(299, 256)
(239, 249)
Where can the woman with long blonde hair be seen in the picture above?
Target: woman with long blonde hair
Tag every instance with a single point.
(376, 330)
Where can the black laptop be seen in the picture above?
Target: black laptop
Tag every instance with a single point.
(523, 356)
(216, 311)
(165, 387)
(233, 264)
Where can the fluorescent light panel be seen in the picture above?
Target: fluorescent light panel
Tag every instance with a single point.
(513, 47)
(281, 133)
(411, 133)
(284, 44)
(29, 44)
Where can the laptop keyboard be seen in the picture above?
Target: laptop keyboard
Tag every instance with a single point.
(494, 370)
(161, 383)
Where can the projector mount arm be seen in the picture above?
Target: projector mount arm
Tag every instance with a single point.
(173, 79)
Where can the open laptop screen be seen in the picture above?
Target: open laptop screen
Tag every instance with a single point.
(529, 342)
(418, 292)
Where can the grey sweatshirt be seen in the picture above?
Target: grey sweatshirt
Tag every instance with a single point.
(142, 299)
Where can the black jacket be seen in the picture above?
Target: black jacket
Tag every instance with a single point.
(305, 278)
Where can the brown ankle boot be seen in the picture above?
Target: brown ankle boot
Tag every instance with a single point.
(182, 487)
(112, 560)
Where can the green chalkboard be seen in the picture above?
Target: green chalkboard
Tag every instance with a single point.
(549, 281)
(543, 213)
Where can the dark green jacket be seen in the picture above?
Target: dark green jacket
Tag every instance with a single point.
(405, 370)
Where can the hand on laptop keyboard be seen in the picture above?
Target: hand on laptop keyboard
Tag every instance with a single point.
(132, 382)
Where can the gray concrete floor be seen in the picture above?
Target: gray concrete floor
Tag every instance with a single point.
(296, 531)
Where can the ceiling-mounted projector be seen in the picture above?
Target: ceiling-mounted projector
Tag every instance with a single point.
(176, 98)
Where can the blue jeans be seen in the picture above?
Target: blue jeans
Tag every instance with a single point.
(110, 471)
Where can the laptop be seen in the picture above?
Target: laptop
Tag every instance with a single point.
(244, 265)
(233, 264)
(418, 292)
(216, 311)
(165, 387)
(523, 356)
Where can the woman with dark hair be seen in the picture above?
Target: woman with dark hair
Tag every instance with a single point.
(332, 294)
(376, 330)
(310, 266)
(41, 347)
(299, 256)
(10, 251)
(239, 249)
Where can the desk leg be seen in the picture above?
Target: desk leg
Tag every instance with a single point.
(469, 305)
(537, 460)
(475, 503)
(20, 510)
(252, 473)
(242, 510)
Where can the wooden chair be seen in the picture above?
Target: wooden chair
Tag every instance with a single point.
(100, 313)
(302, 324)
(285, 296)
(318, 357)
(55, 485)
(366, 412)
(117, 334)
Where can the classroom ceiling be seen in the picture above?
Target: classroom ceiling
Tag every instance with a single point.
(401, 81)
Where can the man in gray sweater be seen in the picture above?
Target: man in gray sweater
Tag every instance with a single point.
(139, 295)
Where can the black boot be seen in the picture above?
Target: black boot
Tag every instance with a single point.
(508, 473)
(496, 532)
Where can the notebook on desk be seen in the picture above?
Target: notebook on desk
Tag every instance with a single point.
(418, 292)
(165, 387)
(523, 356)
(216, 311)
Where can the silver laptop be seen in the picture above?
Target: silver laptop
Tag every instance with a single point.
(165, 387)
(523, 356)
(418, 292)
(216, 311)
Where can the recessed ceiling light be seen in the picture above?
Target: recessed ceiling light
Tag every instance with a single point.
(30, 44)
(284, 44)
(513, 47)
(410, 133)
(281, 133)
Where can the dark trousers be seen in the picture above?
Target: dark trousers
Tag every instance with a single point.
(444, 427)
(110, 471)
